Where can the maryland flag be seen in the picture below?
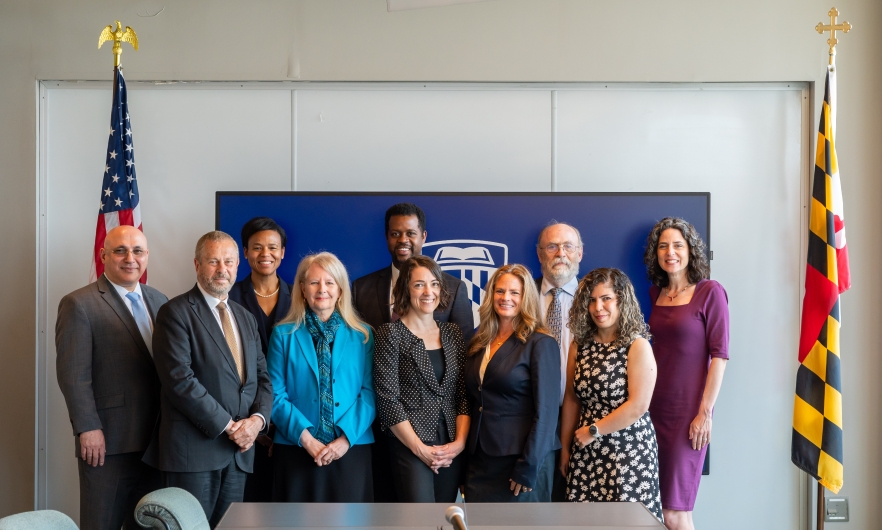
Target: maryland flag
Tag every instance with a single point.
(817, 409)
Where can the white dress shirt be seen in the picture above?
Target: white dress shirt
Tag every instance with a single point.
(122, 294)
(395, 274)
(212, 303)
(484, 362)
(566, 336)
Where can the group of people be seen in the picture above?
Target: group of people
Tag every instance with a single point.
(313, 391)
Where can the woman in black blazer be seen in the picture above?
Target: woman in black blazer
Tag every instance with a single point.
(512, 377)
(418, 381)
(268, 298)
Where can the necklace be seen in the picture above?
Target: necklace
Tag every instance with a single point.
(499, 343)
(272, 294)
(671, 298)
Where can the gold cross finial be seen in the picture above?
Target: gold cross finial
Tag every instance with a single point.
(118, 37)
(832, 28)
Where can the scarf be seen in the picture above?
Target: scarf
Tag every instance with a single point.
(322, 336)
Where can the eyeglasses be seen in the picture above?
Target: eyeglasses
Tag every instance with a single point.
(122, 252)
(569, 248)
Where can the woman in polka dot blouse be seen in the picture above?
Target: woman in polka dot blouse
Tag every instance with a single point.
(418, 379)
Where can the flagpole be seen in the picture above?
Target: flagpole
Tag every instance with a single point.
(820, 519)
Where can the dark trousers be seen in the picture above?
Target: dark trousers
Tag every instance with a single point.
(109, 493)
(487, 479)
(415, 482)
(215, 490)
(259, 484)
(558, 480)
(384, 484)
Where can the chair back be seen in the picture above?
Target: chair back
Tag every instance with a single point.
(38, 520)
(171, 509)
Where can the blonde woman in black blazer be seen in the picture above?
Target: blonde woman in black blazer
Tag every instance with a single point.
(418, 380)
(512, 377)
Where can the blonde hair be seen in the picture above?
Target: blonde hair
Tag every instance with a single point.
(527, 322)
(332, 265)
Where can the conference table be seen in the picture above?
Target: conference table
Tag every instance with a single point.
(479, 516)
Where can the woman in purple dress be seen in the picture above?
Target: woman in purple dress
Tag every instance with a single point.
(690, 327)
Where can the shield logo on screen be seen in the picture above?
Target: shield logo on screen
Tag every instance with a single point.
(472, 261)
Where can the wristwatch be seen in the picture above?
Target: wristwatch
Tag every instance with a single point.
(592, 429)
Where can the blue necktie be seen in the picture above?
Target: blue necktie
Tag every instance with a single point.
(141, 318)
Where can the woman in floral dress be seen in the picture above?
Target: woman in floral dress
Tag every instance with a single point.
(609, 450)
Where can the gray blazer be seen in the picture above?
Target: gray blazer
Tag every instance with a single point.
(201, 389)
(104, 368)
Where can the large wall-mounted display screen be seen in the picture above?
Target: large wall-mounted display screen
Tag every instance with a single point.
(469, 234)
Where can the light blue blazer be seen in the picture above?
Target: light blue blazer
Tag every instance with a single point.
(293, 368)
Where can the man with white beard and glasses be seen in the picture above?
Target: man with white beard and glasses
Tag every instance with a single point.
(559, 248)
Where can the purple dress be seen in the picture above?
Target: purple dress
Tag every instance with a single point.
(684, 339)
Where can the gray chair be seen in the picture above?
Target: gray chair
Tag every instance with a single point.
(38, 520)
(171, 509)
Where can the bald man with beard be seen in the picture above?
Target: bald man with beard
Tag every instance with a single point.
(103, 340)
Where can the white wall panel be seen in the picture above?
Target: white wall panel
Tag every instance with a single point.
(423, 140)
(742, 144)
(744, 148)
(188, 144)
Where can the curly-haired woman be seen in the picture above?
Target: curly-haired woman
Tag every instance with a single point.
(609, 451)
(690, 325)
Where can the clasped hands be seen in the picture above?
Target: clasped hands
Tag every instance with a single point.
(244, 432)
(324, 454)
(437, 456)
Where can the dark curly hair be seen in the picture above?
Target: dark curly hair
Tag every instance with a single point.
(698, 267)
(401, 292)
(631, 323)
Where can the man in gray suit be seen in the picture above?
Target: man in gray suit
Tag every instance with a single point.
(216, 394)
(106, 373)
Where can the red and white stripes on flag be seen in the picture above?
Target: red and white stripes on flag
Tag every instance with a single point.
(120, 203)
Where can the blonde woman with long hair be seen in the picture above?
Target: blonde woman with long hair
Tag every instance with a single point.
(512, 378)
(323, 398)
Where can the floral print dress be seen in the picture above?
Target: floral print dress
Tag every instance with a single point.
(619, 466)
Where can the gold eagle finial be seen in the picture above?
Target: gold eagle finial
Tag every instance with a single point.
(117, 37)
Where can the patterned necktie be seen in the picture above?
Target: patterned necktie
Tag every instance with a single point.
(230, 335)
(141, 319)
(554, 318)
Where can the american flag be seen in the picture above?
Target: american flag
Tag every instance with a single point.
(120, 202)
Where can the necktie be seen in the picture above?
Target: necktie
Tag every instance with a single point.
(230, 336)
(141, 319)
(554, 318)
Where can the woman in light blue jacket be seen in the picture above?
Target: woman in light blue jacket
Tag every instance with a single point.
(320, 363)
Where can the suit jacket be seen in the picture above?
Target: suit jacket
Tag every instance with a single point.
(405, 382)
(515, 408)
(370, 295)
(293, 368)
(104, 368)
(201, 390)
(243, 294)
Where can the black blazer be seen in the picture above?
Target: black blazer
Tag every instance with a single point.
(515, 409)
(243, 294)
(405, 382)
(370, 295)
(201, 389)
(104, 368)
